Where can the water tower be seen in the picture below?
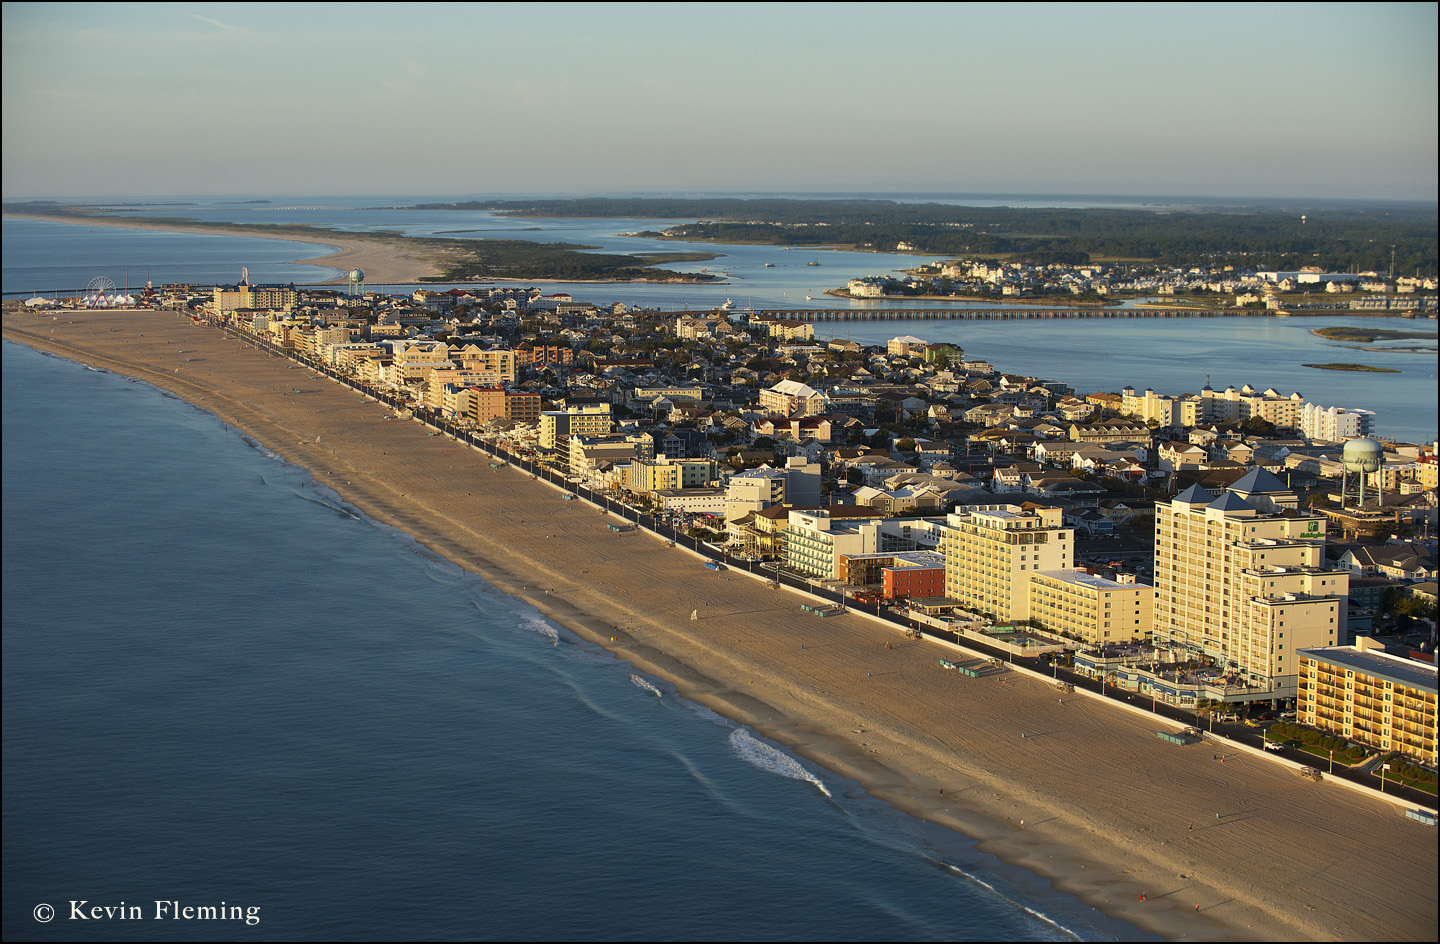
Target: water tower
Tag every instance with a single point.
(1362, 457)
(357, 282)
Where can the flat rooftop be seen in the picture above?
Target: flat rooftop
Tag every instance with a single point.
(1380, 665)
(1093, 581)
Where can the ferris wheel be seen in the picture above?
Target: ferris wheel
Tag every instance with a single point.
(98, 292)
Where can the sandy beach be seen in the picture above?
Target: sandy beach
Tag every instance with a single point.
(1168, 838)
(385, 260)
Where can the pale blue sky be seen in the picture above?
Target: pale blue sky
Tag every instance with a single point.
(1309, 100)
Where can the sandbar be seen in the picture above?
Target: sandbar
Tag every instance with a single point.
(1236, 850)
(385, 260)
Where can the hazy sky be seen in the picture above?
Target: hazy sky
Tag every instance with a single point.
(1310, 100)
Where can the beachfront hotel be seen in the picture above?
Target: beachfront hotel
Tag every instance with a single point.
(992, 551)
(1365, 694)
(1240, 578)
(1095, 609)
(558, 427)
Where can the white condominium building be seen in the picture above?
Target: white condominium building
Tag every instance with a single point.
(1335, 424)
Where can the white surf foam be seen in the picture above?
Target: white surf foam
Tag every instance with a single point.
(537, 625)
(765, 757)
(1001, 895)
(643, 683)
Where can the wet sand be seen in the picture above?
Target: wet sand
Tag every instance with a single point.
(1109, 812)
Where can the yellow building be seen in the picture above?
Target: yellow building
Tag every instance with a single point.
(1092, 608)
(413, 360)
(501, 362)
(1241, 578)
(243, 296)
(1367, 695)
(991, 551)
(792, 398)
(558, 426)
(1237, 406)
(645, 476)
(438, 378)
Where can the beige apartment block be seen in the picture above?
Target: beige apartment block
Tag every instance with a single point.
(1367, 695)
(665, 474)
(437, 379)
(587, 455)
(501, 362)
(1240, 577)
(1237, 406)
(792, 398)
(557, 426)
(1094, 608)
(486, 403)
(413, 360)
(236, 297)
(992, 551)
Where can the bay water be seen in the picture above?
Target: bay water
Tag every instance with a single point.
(1173, 356)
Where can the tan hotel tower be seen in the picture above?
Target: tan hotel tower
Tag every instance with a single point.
(1241, 577)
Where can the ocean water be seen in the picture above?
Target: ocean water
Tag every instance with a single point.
(222, 685)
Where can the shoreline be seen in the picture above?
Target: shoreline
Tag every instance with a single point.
(1106, 803)
(385, 260)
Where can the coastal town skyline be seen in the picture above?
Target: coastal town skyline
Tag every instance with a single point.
(1214, 100)
(453, 413)
(578, 568)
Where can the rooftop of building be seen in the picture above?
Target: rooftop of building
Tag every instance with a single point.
(1378, 664)
(1093, 581)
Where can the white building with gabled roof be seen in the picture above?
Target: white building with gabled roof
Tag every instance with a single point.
(792, 398)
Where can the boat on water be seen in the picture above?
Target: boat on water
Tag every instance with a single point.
(809, 298)
(728, 305)
(813, 262)
(769, 265)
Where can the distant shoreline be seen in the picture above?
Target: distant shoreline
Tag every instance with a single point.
(385, 260)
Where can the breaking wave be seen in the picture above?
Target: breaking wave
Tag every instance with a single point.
(765, 757)
(1039, 915)
(646, 685)
(538, 625)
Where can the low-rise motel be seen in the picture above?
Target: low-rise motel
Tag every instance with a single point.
(1367, 695)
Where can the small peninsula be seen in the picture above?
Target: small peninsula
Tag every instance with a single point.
(390, 257)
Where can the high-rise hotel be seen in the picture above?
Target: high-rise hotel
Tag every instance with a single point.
(992, 551)
(1241, 577)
